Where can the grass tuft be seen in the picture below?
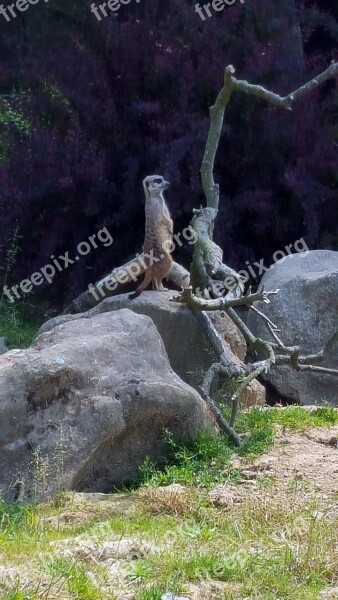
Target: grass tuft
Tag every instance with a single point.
(202, 463)
(79, 580)
(19, 323)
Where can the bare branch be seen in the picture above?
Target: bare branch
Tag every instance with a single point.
(196, 303)
(272, 326)
(243, 385)
(232, 84)
(215, 342)
(220, 420)
(331, 72)
(316, 369)
(275, 336)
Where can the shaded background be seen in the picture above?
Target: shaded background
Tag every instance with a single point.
(88, 108)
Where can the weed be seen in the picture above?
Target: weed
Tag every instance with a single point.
(202, 462)
(79, 580)
(13, 517)
(19, 323)
(266, 481)
(41, 469)
(150, 593)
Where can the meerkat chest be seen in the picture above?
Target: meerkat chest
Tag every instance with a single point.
(158, 229)
(155, 211)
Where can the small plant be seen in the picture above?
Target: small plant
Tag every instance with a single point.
(18, 321)
(13, 517)
(12, 122)
(11, 255)
(11, 119)
(266, 481)
(202, 462)
(79, 580)
(151, 593)
(41, 470)
(259, 441)
(60, 452)
(139, 571)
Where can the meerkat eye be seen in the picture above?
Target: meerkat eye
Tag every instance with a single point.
(158, 181)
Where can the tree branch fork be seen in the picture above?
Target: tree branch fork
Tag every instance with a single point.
(271, 353)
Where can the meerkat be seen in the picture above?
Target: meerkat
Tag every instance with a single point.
(158, 235)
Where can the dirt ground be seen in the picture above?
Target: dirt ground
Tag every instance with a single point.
(310, 457)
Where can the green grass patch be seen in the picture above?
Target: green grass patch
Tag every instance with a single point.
(153, 592)
(292, 417)
(14, 518)
(203, 462)
(78, 579)
(19, 323)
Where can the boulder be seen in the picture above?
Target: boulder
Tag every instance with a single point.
(190, 354)
(87, 402)
(306, 312)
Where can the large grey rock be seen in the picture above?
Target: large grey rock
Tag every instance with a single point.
(188, 350)
(87, 402)
(306, 312)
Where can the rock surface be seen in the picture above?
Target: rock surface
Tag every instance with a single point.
(87, 402)
(306, 312)
(188, 350)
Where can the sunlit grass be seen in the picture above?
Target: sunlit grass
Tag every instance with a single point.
(292, 417)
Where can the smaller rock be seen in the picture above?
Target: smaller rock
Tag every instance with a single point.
(306, 312)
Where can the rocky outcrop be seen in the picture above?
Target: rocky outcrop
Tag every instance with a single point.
(188, 350)
(306, 313)
(87, 402)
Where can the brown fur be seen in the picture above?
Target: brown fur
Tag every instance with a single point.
(158, 235)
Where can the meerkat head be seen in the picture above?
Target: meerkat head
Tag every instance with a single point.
(154, 185)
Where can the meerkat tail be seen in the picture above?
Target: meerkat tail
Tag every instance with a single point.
(147, 279)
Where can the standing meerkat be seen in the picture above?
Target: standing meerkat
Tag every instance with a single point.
(158, 235)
